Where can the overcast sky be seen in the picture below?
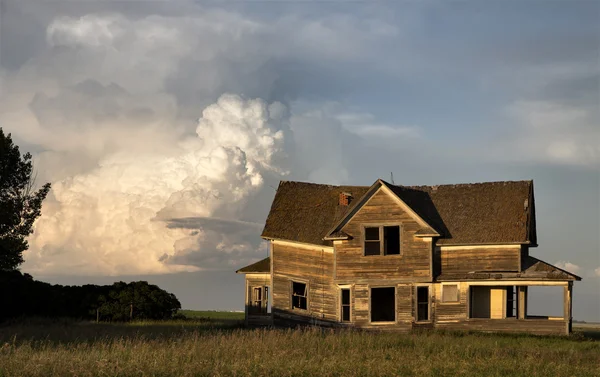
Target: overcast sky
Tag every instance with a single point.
(164, 126)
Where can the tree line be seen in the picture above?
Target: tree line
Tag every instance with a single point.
(21, 295)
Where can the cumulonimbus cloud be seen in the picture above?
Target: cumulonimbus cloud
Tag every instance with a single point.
(110, 105)
(116, 217)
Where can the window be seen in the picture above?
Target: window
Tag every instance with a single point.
(372, 243)
(511, 302)
(299, 296)
(450, 293)
(345, 309)
(422, 304)
(390, 235)
(383, 304)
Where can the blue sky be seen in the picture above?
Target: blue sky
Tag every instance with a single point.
(144, 113)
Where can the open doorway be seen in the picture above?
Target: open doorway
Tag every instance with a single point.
(383, 304)
(494, 302)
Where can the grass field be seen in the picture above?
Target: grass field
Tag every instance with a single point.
(216, 345)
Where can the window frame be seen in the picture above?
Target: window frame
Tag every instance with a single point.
(341, 304)
(381, 241)
(307, 285)
(416, 287)
(457, 301)
(376, 323)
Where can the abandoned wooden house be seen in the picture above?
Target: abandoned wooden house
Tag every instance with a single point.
(394, 257)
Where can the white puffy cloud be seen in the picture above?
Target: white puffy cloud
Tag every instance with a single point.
(114, 219)
(568, 266)
(140, 185)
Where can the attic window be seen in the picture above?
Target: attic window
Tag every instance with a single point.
(373, 237)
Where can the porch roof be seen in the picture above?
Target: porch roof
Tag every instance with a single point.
(261, 267)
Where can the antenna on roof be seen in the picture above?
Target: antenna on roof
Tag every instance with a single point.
(392, 177)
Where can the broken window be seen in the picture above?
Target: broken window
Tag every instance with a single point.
(450, 293)
(345, 309)
(383, 304)
(391, 240)
(299, 296)
(422, 303)
(390, 235)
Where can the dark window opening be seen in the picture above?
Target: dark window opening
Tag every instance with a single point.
(345, 305)
(383, 304)
(422, 303)
(299, 296)
(391, 240)
(382, 240)
(372, 243)
(511, 302)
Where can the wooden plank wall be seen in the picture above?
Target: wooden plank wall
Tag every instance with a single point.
(480, 259)
(404, 314)
(415, 252)
(448, 311)
(305, 265)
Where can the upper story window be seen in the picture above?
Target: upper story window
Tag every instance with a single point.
(381, 240)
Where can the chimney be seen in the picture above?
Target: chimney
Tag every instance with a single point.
(345, 198)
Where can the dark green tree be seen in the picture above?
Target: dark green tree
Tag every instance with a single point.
(20, 203)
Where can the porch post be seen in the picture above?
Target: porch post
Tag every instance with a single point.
(568, 307)
(522, 302)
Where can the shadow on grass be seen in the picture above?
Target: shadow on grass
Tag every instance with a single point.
(69, 331)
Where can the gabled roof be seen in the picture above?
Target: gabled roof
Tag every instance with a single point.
(336, 229)
(463, 214)
(262, 266)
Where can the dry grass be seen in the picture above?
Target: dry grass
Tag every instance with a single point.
(209, 348)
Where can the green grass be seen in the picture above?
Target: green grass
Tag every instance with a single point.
(212, 314)
(219, 347)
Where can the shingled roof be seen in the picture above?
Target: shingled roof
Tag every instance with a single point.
(463, 214)
(262, 266)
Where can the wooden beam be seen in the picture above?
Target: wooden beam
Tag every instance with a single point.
(522, 302)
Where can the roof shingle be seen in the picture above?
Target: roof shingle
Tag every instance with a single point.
(474, 213)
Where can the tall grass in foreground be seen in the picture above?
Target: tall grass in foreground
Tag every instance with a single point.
(187, 348)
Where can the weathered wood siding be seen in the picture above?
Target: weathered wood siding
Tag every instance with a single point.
(415, 253)
(445, 311)
(312, 266)
(404, 301)
(454, 260)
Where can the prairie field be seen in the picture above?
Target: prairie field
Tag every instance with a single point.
(216, 345)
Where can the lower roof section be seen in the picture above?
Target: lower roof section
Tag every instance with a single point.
(260, 267)
(532, 269)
